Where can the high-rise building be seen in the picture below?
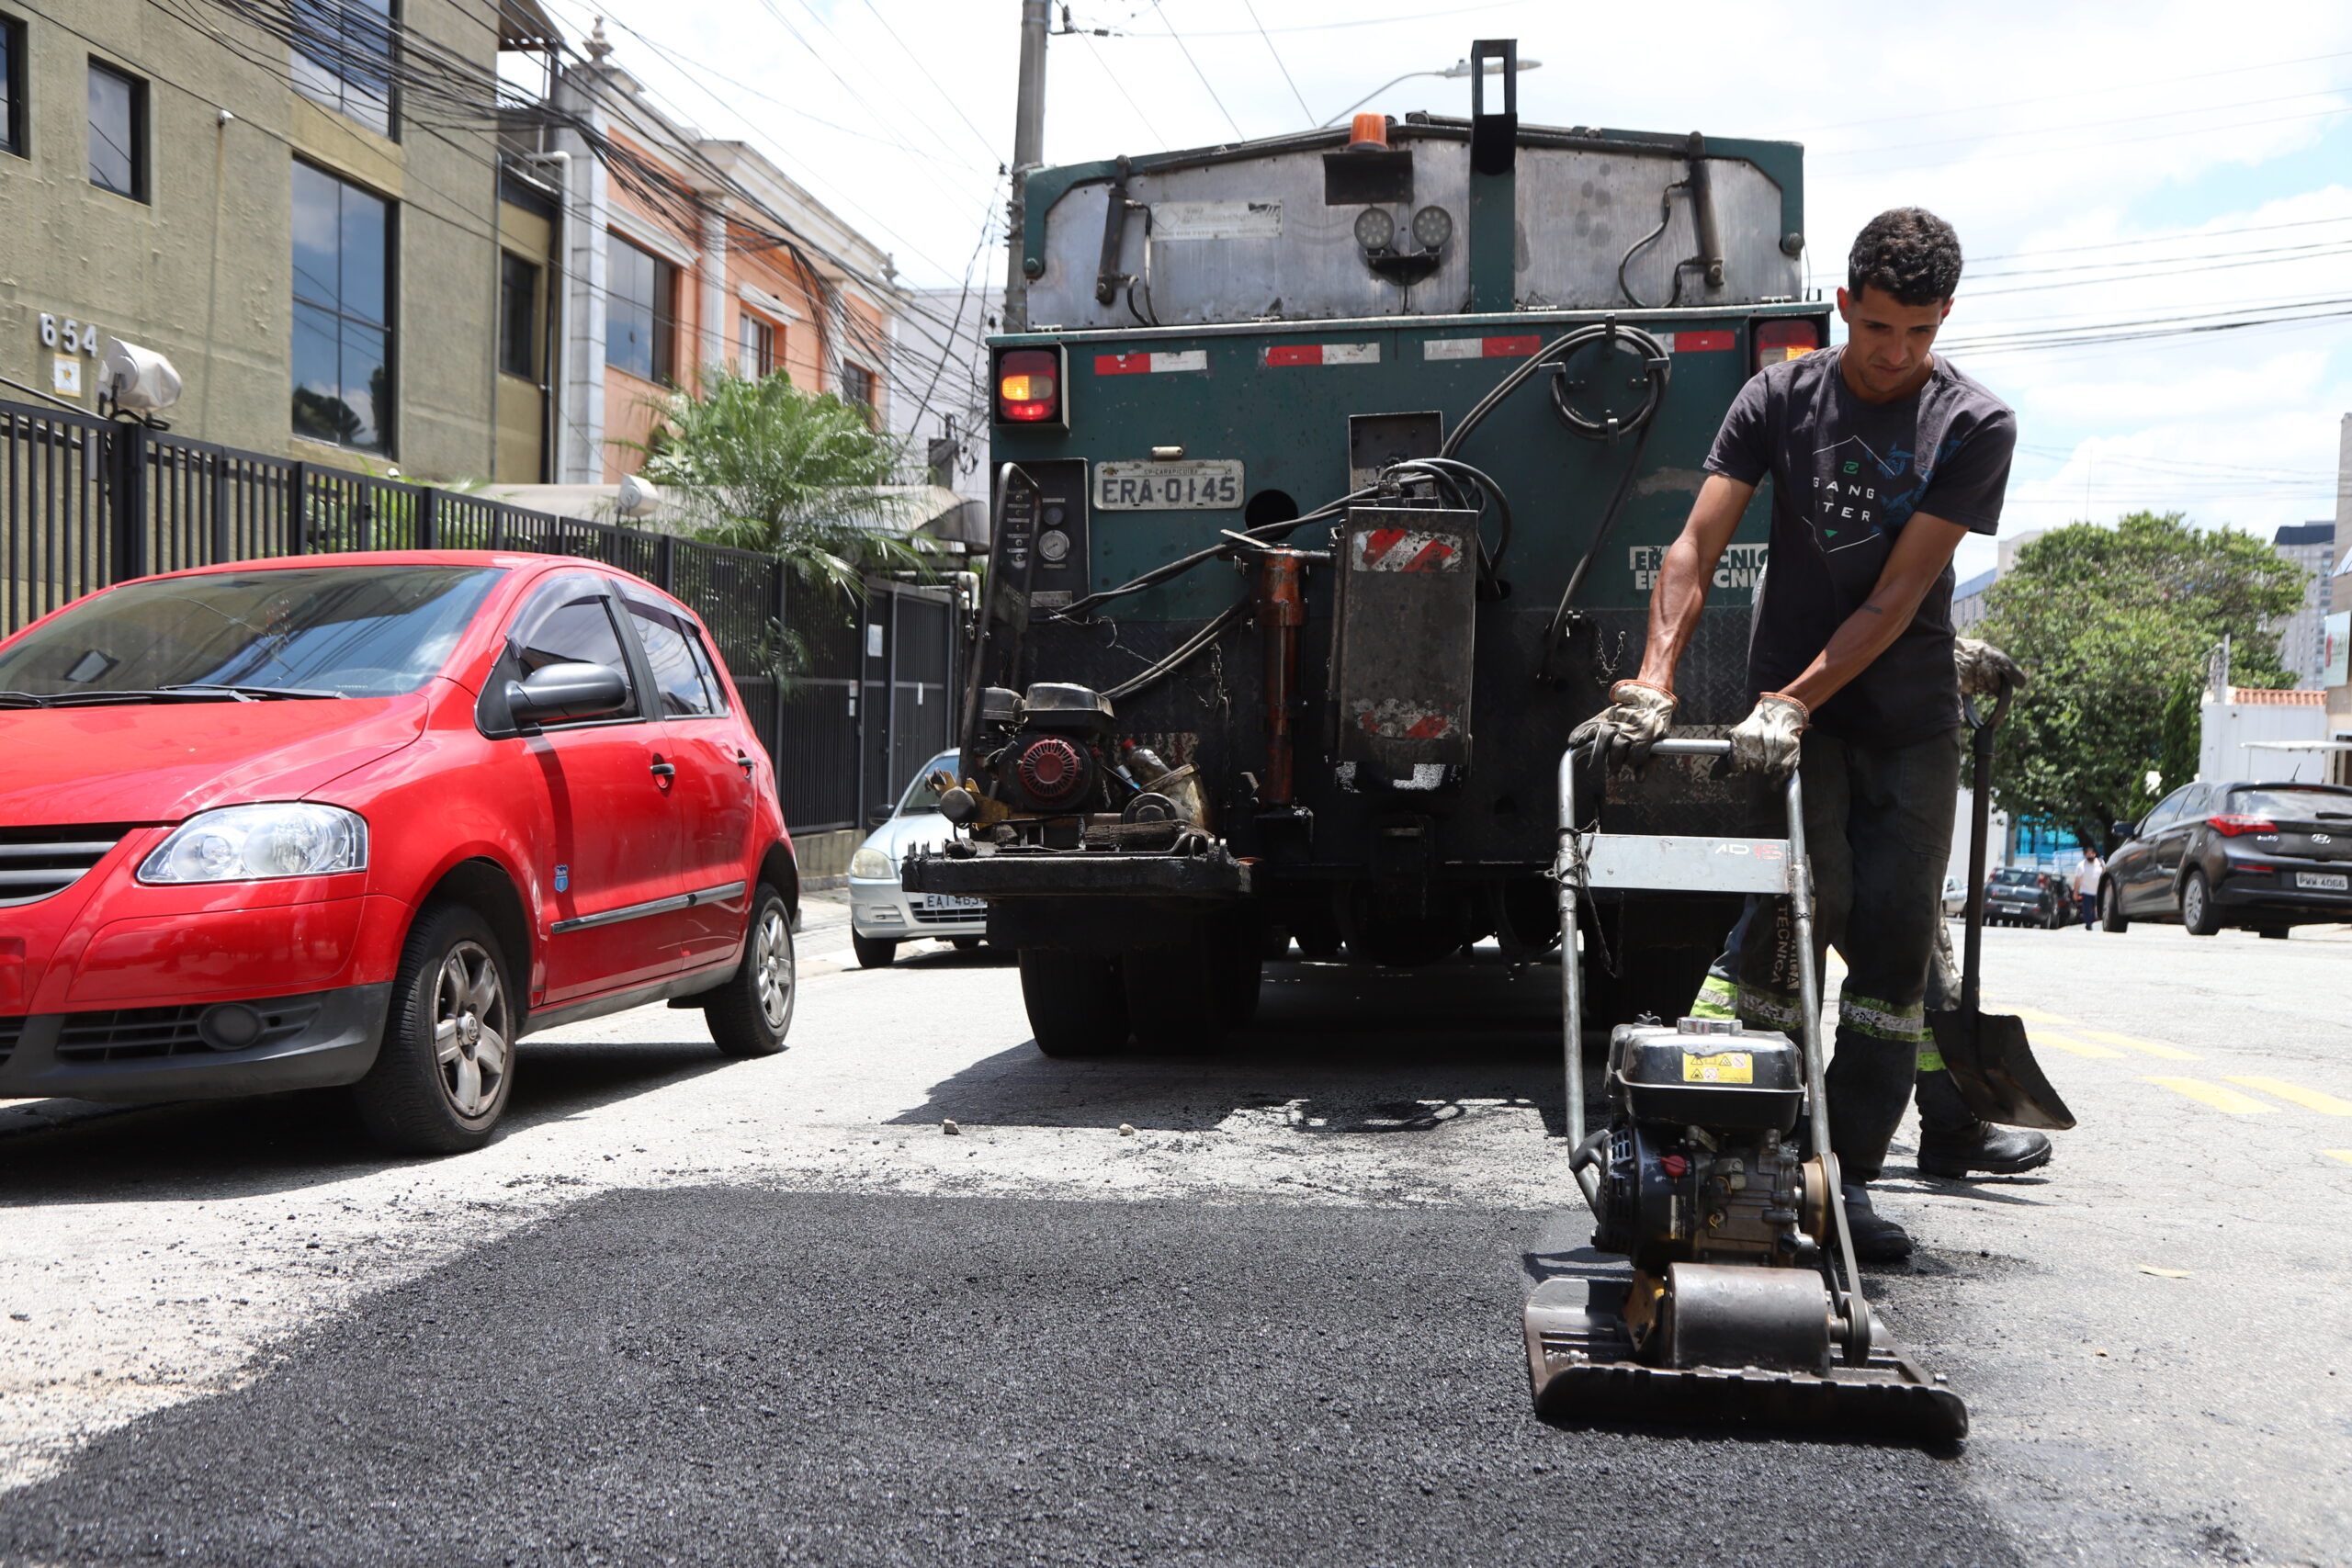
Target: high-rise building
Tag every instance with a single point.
(2303, 643)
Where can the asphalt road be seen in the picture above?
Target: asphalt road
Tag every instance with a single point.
(697, 1311)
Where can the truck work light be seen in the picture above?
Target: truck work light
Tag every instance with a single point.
(1028, 386)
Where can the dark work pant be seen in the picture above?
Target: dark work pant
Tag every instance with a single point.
(1877, 827)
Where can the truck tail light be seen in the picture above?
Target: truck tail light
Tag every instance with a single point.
(1028, 386)
(1785, 339)
(2232, 826)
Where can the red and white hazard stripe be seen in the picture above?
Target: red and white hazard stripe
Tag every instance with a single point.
(1323, 353)
(1150, 363)
(1699, 342)
(1481, 347)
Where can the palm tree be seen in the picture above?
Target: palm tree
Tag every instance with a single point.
(756, 463)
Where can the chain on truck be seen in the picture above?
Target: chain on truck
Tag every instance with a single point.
(1333, 472)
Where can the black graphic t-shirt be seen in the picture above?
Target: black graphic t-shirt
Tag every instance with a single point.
(1846, 475)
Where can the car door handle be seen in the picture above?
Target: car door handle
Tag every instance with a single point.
(745, 763)
(665, 769)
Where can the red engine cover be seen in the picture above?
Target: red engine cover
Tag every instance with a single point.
(1052, 770)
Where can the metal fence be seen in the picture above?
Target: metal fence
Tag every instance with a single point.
(87, 501)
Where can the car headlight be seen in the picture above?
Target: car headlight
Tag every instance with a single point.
(870, 864)
(247, 843)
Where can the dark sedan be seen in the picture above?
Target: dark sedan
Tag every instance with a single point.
(2027, 898)
(2261, 856)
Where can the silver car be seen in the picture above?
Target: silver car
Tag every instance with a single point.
(881, 913)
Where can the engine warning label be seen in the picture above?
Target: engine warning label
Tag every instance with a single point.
(1742, 565)
(1724, 1066)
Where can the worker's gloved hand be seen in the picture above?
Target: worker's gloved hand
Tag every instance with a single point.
(1983, 668)
(1766, 740)
(1636, 718)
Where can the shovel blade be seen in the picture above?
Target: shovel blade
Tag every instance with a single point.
(1992, 1063)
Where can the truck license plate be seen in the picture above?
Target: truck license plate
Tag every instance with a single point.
(952, 901)
(1192, 484)
(2324, 881)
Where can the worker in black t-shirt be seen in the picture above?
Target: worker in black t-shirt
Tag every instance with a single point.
(1883, 457)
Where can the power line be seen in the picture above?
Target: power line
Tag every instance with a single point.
(1104, 66)
(1357, 22)
(2165, 239)
(2335, 93)
(986, 139)
(2104, 142)
(1203, 75)
(1278, 60)
(2076, 95)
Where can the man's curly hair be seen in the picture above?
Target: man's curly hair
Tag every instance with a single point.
(1907, 252)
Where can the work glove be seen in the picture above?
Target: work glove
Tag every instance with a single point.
(1766, 740)
(1636, 718)
(1983, 668)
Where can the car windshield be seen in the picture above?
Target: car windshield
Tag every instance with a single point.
(2015, 878)
(921, 799)
(2294, 804)
(345, 631)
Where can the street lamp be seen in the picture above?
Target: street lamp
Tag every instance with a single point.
(1456, 72)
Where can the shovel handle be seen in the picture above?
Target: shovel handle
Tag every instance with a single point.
(1979, 829)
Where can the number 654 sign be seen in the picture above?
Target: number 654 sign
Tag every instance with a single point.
(72, 336)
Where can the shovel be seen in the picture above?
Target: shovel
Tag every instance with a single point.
(1989, 1058)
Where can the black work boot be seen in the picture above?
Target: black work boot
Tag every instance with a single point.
(1877, 1240)
(1954, 1143)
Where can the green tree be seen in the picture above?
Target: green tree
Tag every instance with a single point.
(2115, 626)
(756, 463)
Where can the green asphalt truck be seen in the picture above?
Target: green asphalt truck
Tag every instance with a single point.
(1332, 473)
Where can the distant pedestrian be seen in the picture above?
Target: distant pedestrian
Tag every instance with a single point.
(2087, 877)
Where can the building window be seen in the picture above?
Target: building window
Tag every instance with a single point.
(857, 384)
(518, 308)
(117, 132)
(755, 341)
(641, 313)
(342, 312)
(12, 87)
(343, 58)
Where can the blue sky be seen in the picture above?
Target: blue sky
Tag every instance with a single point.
(2052, 134)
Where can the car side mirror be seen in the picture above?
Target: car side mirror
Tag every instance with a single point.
(2125, 829)
(566, 691)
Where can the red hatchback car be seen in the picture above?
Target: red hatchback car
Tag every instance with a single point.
(367, 820)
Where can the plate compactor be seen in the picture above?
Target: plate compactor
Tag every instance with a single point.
(1740, 1299)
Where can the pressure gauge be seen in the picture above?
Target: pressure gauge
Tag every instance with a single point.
(1053, 547)
(1375, 230)
(1432, 226)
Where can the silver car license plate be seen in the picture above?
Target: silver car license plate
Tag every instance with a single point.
(2324, 881)
(945, 902)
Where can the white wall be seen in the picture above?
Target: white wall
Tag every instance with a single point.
(2224, 727)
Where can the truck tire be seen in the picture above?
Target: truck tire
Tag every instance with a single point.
(2110, 908)
(1178, 997)
(445, 1065)
(2197, 911)
(1316, 938)
(1077, 1004)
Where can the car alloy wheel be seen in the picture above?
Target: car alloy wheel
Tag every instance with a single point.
(471, 1031)
(772, 967)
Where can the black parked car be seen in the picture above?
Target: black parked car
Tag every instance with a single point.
(2027, 898)
(2261, 856)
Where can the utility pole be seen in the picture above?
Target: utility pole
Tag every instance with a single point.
(1028, 152)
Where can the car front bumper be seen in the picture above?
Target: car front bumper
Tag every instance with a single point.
(886, 911)
(125, 1054)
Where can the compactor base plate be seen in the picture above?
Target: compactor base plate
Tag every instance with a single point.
(1581, 1365)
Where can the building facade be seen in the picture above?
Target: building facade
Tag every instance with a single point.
(358, 246)
(2303, 635)
(684, 253)
(286, 202)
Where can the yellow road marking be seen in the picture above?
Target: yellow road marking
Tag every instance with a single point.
(2031, 1015)
(2344, 1154)
(2214, 1095)
(2068, 1044)
(2308, 1098)
(2150, 1047)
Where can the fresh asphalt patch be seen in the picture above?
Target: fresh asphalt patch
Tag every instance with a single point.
(740, 1375)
